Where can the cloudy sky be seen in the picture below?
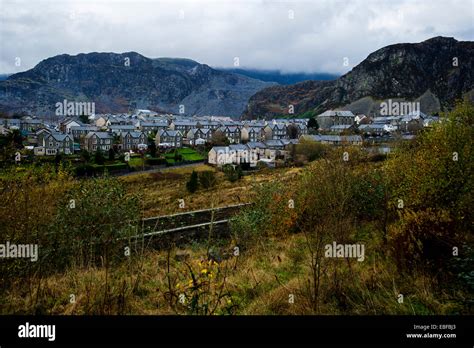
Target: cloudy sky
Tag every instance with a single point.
(293, 36)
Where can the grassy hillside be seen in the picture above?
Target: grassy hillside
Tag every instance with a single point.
(411, 212)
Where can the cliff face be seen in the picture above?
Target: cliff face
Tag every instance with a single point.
(117, 82)
(424, 71)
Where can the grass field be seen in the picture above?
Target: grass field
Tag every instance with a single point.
(161, 191)
(135, 162)
(187, 154)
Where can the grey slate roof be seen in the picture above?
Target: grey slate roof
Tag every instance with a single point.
(85, 128)
(237, 147)
(135, 134)
(274, 143)
(332, 113)
(101, 135)
(341, 126)
(60, 136)
(170, 133)
(256, 144)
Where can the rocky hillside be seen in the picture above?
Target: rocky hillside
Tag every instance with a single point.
(410, 72)
(280, 77)
(118, 82)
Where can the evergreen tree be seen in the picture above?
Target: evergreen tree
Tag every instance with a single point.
(193, 183)
(312, 123)
(99, 157)
(84, 119)
(111, 154)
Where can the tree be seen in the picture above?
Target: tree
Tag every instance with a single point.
(57, 159)
(85, 155)
(9, 144)
(292, 131)
(99, 157)
(232, 174)
(117, 140)
(311, 150)
(207, 179)
(431, 185)
(18, 115)
(111, 154)
(219, 139)
(193, 183)
(103, 211)
(151, 148)
(177, 156)
(325, 213)
(312, 123)
(84, 119)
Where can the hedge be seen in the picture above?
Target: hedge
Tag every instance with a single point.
(152, 161)
(94, 169)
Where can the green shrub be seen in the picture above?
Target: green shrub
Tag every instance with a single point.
(87, 231)
(432, 178)
(207, 179)
(232, 173)
(152, 161)
(99, 157)
(193, 183)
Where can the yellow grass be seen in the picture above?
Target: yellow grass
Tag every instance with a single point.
(161, 194)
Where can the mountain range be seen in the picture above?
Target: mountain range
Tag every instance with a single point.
(123, 82)
(434, 72)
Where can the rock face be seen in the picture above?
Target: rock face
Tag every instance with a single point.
(119, 82)
(424, 72)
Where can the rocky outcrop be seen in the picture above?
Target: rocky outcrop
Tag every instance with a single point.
(119, 82)
(435, 72)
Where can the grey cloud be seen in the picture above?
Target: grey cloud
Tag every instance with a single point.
(261, 33)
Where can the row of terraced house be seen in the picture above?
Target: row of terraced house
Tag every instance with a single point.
(125, 132)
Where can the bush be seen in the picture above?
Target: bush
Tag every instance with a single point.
(99, 157)
(269, 215)
(115, 166)
(207, 179)
(94, 169)
(177, 156)
(84, 170)
(312, 150)
(111, 154)
(154, 161)
(29, 197)
(86, 232)
(369, 195)
(151, 147)
(232, 174)
(193, 184)
(432, 177)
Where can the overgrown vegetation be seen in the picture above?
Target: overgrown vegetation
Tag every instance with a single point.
(232, 172)
(193, 183)
(411, 212)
